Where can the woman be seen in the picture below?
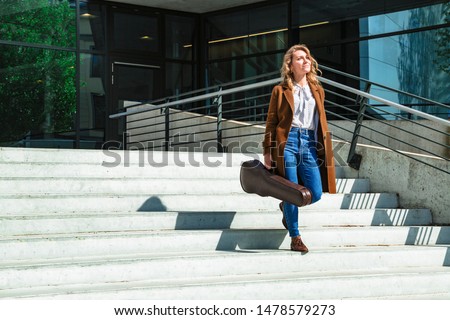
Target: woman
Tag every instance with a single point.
(297, 142)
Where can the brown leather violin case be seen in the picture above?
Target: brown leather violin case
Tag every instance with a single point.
(256, 178)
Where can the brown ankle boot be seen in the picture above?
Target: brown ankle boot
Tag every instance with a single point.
(298, 245)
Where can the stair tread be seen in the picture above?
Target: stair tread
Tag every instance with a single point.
(141, 185)
(124, 195)
(272, 211)
(29, 155)
(423, 296)
(224, 282)
(152, 256)
(70, 222)
(139, 233)
(102, 178)
(237, 201)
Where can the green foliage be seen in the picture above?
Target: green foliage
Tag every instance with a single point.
(424, 60)
(50, 22)
(443, 42)
(37, 86)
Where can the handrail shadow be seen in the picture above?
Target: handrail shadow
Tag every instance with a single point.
(436, 235)
(360, 201)
(399, 217)
(428, 235)
(447, 258)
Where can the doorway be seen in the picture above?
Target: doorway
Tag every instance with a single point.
(132, 83)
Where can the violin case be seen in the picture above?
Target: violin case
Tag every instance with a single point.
(256, 178)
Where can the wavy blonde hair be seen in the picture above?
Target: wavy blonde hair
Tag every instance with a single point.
(288, 75)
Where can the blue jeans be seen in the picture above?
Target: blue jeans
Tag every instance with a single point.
(300, 162)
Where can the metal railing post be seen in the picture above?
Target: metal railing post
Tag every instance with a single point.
(354, 159)
(218, 102)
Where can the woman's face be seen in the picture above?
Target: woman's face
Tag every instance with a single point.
(300, 64)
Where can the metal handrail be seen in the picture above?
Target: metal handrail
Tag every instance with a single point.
(194, 99)
(252, 109)
(386, 102)
(351, 76)
(398, 106)
(216, 87)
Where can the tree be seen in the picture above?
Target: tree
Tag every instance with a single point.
(443, 42)
(423, 65)
(37, 86)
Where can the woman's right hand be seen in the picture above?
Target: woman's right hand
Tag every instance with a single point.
(268, 161)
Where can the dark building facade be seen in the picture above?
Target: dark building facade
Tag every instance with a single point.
(66, 65)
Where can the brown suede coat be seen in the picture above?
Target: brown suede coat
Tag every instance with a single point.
(278, 125)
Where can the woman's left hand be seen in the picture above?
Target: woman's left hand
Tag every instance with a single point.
(268, 161)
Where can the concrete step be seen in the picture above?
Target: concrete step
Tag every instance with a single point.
(423, 296)
(300, 285)
(185, 202)
(117, 158)
(129, 221)
(139, 185)
(16, 160)
(120, 158)
(75, 170)
(97, 243)
(181, 265)
(79, 170)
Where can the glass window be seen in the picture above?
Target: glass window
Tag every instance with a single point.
(38, 95)
(267, 18)
(243, 105)
(237, 69)
(92, 96)
(227, 25)
(322, 33)
(228, 47)
(39, 22)
(136, 83)
(305, 12)
(179, 78)
(404, 20)
(92, 30)
(179, 37)
(135, 32)
(268, 41)
(246, 32)
(410, 62)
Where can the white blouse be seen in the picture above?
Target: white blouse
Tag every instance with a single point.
(305, 107)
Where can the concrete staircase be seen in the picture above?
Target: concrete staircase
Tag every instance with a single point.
(80, 224)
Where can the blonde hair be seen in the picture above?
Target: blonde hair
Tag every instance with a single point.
(288, 75)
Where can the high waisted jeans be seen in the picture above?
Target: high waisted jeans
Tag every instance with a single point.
(300, 161)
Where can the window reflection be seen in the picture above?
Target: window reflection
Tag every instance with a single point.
(135, 32)
(92, 97)
(179, 37)
(179, 78)
(227, 71)
(92, 30)
(38, 97)
(403, 20)
(404, 63)
(258, 30)
(38, 22)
